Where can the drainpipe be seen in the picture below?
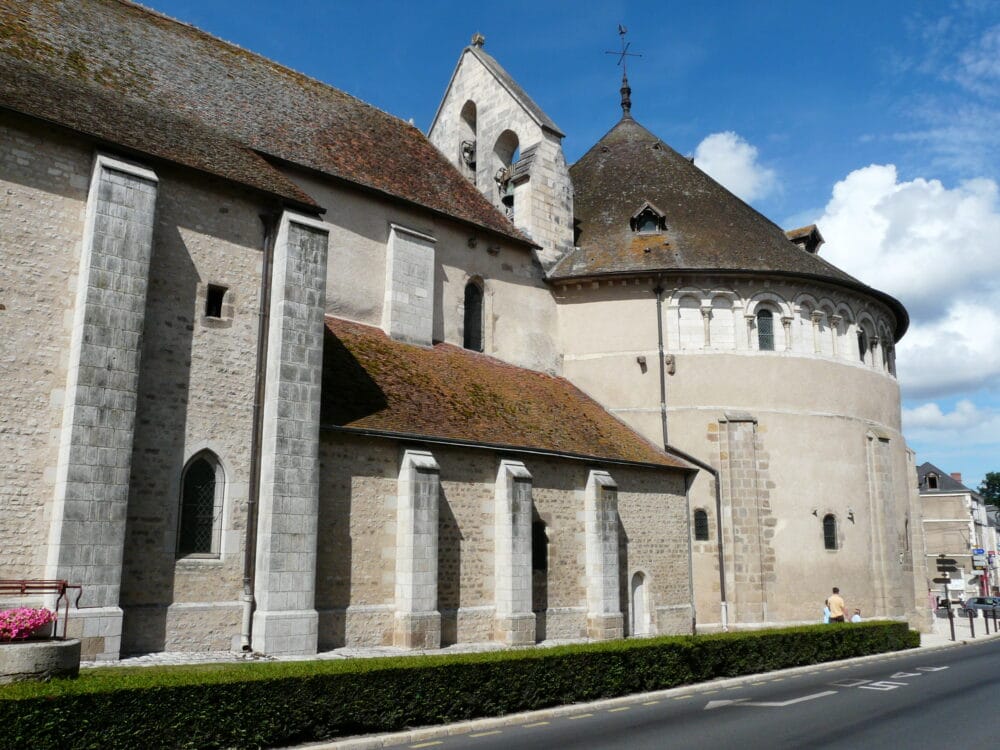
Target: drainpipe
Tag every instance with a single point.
(270, 222)
(723, 603)
(658, 291)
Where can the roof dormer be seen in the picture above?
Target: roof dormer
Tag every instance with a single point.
(648, 219)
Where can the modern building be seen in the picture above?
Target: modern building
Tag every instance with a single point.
(956, 523)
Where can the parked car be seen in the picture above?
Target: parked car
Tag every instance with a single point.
(989, 605)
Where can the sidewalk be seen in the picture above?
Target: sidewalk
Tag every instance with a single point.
(940, 636)
(941, 633)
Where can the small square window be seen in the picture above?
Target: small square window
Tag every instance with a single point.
(213, 301)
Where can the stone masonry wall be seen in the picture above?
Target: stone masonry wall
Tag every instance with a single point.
(285, 621)
(196, 393)
(44, 177)
(746, 502)
(409, 287)
(87, 530)
(357, 537)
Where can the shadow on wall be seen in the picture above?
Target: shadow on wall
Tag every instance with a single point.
(150, 561)
(449, 570)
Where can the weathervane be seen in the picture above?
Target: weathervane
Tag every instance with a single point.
(626, 90)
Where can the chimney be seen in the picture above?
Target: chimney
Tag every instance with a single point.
(957, 476)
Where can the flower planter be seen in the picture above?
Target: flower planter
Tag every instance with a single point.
(39, 660)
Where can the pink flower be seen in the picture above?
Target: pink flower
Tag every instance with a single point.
(22, 622)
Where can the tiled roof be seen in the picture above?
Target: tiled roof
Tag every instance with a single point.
(177, 72)
(372, 382)
(139, 128)
(708, 228)
(945, 482)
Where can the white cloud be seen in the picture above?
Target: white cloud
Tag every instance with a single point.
(979, 64)
(965, 433)
(731, 161)
(934, 248)
(930, 417)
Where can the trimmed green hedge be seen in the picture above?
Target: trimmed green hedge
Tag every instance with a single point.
(285, 703)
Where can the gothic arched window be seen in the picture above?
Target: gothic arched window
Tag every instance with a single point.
(830, 531)
(862, 344)
(202, 486)
(765, 331)
(473, 330)
(700, 526)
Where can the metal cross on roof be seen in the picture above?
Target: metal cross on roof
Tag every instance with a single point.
(622, 31)
(626, 90)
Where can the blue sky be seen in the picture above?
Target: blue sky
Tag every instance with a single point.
(880, 121)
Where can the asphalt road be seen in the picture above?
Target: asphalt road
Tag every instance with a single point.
(920, 699)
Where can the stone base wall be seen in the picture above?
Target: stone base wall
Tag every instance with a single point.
(417, 630)
(189, 627)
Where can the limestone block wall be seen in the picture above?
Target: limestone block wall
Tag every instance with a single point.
(44, 181)
(544, 208)
(409, 286)
(87, 528)
(814, 412)
(196, 394)
(285, 619)
(519, 313)
(359, 527)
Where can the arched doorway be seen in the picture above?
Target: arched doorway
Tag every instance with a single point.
(639, 616)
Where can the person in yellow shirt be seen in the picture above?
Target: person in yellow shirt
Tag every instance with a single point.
(837, 606)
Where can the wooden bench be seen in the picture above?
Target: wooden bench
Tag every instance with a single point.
(31, 587)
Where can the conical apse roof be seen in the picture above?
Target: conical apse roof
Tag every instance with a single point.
(707, 228)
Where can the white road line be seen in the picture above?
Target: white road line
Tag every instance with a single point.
(768, 704)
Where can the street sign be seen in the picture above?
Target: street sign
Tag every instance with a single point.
(946, 564)
(979, 551)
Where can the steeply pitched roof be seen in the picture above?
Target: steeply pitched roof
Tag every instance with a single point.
(139, 129)
(708, 228)
(945, 483)
(372, 382)
(177, 72)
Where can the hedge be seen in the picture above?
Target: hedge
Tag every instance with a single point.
(250, 705)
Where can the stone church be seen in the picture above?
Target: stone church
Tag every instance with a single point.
(284, 374)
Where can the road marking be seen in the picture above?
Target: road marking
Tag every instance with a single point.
(650, 703)
(485, 734)
(682, 697)
(758, 683)
(850, 683)
(778, 679)
(901, 675)
(883, 685)
(536, 724)
(710, 692)
(768, 704)
(930, 669)
(616, 710)
(428, 744)
(578, 716)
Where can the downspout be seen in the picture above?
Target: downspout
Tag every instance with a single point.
(658, 291)
(270, 222)
(723, 603)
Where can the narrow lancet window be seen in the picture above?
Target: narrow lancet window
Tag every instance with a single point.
(473, 331)
(765, 331)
